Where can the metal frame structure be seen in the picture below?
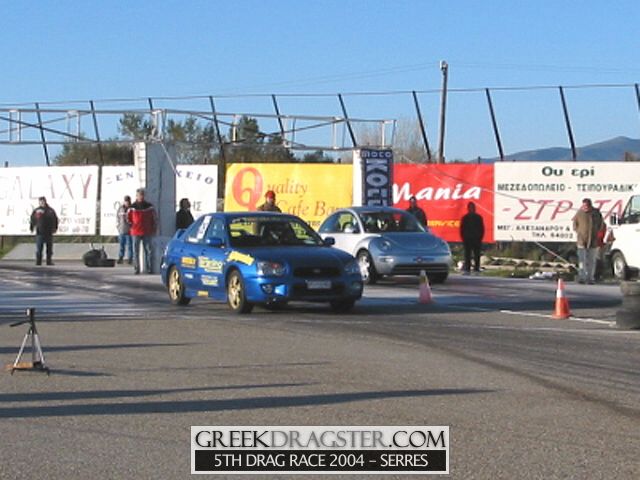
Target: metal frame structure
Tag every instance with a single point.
(23, 124)
(48, 126)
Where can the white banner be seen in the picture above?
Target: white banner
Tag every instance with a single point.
(537, 200)
(71, 191)
(198, 183)
(116, 183)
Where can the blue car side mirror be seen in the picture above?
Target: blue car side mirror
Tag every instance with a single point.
(329, 241)
(214, 242)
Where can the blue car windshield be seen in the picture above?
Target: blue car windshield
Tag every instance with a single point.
(396, 221)
(264, 231)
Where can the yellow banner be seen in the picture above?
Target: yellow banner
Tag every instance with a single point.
(310, 191)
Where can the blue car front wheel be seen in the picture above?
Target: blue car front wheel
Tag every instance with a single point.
(236, 294)
(176, 288)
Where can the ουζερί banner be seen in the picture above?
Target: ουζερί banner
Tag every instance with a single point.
(444, 191)
(310, 191)
(536, 201)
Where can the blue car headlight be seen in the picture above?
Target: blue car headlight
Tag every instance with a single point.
(271, 269)
(352, 268)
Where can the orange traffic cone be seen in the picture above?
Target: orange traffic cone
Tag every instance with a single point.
(562, 302)
(425, 290)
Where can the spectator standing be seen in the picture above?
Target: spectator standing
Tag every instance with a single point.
(124, 234)
(588, 225)
(183, 215)
(143, 220)
(270, 203)
(472, 232)
(417, 212)
(44, 222)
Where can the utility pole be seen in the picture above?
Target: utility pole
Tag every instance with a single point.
(443, 109)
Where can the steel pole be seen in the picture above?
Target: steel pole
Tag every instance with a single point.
(494, 122)
(423, 130)
(443, 109)
(95, 127)
(567, 121)
(42, 137)
(346, 119)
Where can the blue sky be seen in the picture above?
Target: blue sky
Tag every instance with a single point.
(94, 50)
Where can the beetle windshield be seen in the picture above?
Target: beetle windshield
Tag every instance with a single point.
(261, 231)
(394, 221)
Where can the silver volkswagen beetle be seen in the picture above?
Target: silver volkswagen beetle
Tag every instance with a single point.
(388, 241)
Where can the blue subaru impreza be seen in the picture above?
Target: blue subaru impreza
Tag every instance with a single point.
(258, 258)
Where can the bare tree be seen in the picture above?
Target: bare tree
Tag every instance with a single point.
(408, 146)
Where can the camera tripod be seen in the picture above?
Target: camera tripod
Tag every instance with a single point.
(37, 357)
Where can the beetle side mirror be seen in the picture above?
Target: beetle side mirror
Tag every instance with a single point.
(329, 241)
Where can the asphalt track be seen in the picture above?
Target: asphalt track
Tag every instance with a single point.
(526, 396)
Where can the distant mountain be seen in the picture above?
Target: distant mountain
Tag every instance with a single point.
(609, 150)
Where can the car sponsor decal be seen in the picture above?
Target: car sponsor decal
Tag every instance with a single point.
(209, 265)
(240, 257)
(188, 262)
(188, 275)
(210, 280)
(203, 293)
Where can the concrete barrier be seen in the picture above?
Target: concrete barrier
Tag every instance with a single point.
(629, 315)
(61, 251)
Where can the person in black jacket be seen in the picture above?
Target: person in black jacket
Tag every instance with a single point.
(44, 222)
(417, 212)
(183, 215)
(472, 231)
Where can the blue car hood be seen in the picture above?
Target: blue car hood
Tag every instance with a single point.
(301, 256)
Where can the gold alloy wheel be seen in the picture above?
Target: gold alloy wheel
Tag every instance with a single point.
(234, 291)
(175, 287)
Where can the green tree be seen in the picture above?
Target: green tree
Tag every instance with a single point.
(250, 145)
(134, 126)
(196, 142)
(88, 154)
(316, 157)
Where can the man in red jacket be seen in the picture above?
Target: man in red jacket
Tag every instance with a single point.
(143, 220)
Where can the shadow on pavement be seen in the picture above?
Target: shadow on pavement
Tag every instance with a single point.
(190, 406)
(74, 348)
(94, 394)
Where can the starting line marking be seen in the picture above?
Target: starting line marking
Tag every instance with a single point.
(575, 319)
(609, 323)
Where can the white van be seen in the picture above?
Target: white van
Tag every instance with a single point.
(625, 250)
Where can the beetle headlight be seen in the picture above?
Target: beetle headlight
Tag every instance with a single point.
(270, 269)
(352, 268)
(384, 245)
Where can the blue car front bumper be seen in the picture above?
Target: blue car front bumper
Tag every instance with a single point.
(284, 289)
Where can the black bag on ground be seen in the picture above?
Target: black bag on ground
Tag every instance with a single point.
(97, 257)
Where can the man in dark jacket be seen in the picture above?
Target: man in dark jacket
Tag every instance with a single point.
(588, 224)
(417, 212)
(183, 215)
(270, 203)
(44, 222)
(143, 220)
(472, 231)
